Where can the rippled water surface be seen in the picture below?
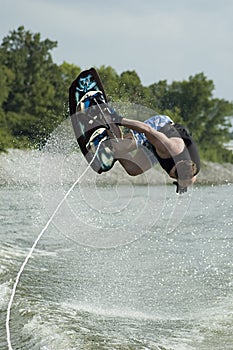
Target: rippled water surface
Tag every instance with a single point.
(122, 265)
(163, 290)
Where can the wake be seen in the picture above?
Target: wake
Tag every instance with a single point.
(9, 307)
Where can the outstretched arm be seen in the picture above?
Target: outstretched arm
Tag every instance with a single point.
(164, 145)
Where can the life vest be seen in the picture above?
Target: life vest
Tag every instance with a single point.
(190, 151)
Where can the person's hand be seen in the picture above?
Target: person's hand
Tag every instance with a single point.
(180, 189)
(114, 117)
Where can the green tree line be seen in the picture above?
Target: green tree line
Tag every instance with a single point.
(34, 97)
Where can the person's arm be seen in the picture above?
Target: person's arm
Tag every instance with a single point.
(163, 144)
(125, 145)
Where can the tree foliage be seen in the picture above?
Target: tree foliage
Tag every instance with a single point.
(34, 97)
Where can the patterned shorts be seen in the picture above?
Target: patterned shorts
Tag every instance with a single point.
(156, 122)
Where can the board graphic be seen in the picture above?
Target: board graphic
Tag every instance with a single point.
(87, 104)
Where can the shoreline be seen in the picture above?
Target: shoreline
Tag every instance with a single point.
(23, 167)
(215, 173)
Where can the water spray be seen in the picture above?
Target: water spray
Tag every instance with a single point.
(34, 246)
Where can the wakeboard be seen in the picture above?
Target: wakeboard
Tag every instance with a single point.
(88, 105)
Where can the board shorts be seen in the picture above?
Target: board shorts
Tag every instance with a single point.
(156, 122)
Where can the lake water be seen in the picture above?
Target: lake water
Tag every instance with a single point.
(122, 266)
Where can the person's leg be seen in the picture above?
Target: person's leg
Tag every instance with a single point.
(134, 160)
(137, 164)
(133, 163)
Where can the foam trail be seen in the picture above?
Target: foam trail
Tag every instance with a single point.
(33, 247)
